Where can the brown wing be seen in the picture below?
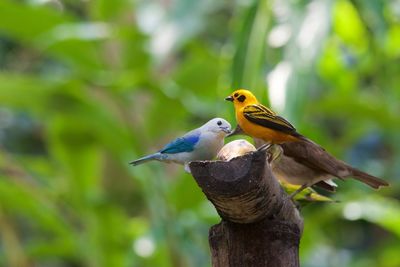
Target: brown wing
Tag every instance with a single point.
(314, 156)
(263, 116)
(325, 186)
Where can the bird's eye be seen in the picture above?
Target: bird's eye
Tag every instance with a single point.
(219, 123)
(241, 98)
(236, 95)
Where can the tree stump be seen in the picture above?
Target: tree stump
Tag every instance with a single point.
(260, 225)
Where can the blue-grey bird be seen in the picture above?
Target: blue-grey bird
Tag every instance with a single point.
(202, 143)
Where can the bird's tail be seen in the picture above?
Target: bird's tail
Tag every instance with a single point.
(368, 179)
(145, 159)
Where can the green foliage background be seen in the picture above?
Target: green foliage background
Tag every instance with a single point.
(87, 86)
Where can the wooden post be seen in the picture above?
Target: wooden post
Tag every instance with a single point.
(260, 225)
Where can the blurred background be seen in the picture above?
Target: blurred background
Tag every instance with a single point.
(88, 85)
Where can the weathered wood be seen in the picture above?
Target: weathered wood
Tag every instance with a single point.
(264, 243)
(260, 224)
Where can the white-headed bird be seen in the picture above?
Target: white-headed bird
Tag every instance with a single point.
(202, 143)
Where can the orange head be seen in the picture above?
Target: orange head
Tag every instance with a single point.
(242, 98)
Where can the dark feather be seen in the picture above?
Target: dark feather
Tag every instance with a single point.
(370, 180)
(325, 186)
(315, 157)
(263, 116)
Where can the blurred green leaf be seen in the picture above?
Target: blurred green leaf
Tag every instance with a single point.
(88, 86)
(21, 21)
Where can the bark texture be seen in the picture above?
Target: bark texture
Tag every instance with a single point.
(260, 225)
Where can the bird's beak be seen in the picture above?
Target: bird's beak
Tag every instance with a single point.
(229, 98)
(226, 130)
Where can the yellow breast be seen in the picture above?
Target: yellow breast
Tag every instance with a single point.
(264, 133)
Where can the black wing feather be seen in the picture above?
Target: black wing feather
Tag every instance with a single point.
(263, 116)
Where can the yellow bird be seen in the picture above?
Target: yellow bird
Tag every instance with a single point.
(304, 163)
(259, 121)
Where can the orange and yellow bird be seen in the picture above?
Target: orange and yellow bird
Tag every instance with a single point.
(259, 121)
(301, 161)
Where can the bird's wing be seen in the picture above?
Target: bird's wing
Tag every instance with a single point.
(263, 116)
(324, 185)
(315, 157)
(185, 143)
